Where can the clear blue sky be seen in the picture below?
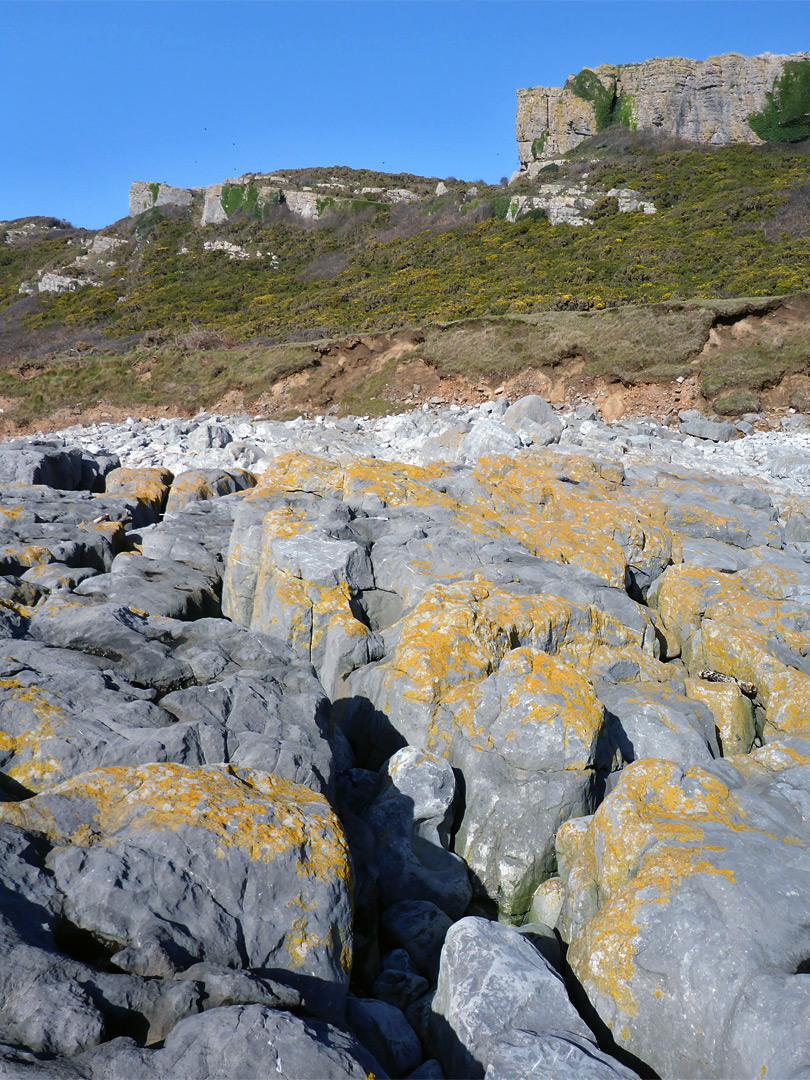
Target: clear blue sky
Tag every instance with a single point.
(96, 95)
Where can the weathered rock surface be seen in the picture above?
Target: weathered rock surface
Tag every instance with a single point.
(707, 101)
(564, 683)
(501, 1009)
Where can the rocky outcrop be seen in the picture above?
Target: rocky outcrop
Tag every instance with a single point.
(559, 682)
(704, 101)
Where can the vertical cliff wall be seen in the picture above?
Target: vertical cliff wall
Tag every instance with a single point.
(706, 101)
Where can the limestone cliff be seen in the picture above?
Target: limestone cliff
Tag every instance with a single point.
(705, 101)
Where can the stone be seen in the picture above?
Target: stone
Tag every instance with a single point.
(419, 927)
(645, 720)
(238, 1040)
(196, 485)
(174, 865)
(711, 430)
(411, 818)
(501, 1009)
(384, 1030)
(682, 910)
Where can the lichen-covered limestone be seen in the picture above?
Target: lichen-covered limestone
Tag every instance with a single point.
(682, 906)
(224, 864)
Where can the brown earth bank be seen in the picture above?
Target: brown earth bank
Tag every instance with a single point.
(732, 357)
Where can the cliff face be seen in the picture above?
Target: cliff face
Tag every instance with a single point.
(706, 101)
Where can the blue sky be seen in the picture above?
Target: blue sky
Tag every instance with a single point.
(96, 95)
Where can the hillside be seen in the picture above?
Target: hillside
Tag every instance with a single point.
(666, 232)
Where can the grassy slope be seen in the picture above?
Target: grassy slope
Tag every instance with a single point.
(727, 226)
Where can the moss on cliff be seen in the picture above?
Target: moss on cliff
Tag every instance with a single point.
(786, 115)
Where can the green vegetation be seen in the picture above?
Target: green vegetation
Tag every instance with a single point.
(757, 366)
(738, 402)
(191, 378)
(538, 144)
(632, 344)
(706, 240)
(608, 108)
(786, 115)
(155, 189)
(242, 198)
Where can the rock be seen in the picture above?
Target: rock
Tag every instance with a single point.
(209, 435)
(419, 927)
(488, 437)
(707, 101)
(238, 1040)
(149, 486)
(52, 464)
(710, 429)
(501, 1009)
(645, 720)
(411, 819)
(158, 587)
(664, 914)
(197, 485)
(387, 1034)
(173, 865)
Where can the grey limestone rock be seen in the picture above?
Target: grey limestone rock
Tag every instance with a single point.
(501, 1009)
(646, 720)
(411, 819)
(164, 587)
(384, 1030)
(244, 1041)
(488, 437)
(419, 927)
(25, 461)
(173, 865)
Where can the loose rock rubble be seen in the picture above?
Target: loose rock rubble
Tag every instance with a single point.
(462, 743)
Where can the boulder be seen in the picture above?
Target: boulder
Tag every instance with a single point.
(501, 1009)
(684, 913)
(171, 865)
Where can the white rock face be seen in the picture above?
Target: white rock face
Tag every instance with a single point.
(570, 205)
(143, 196)
(705, 101)
(236, 251)
(60, 283)
(303, 203)
(213, 213)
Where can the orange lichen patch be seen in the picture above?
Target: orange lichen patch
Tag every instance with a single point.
(396, 483)
(640, 846)
(34, 555)
(31, 765)
(261, 815)
(18, 609)
(568, 843)
(775, 582)
(656, 802)
(566, 694)
(302, 612)
(740, 651)
(602, 955)
(195, 486)
(595, 523)
(778, 756)
(149, 485)
(293, 472)
(463, 631)
(732, 711)
(10, 515)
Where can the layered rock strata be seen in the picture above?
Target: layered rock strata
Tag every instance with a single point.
(346, 766)
(704, 101)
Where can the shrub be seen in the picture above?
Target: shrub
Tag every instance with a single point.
(786, 115)
(738, 402)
